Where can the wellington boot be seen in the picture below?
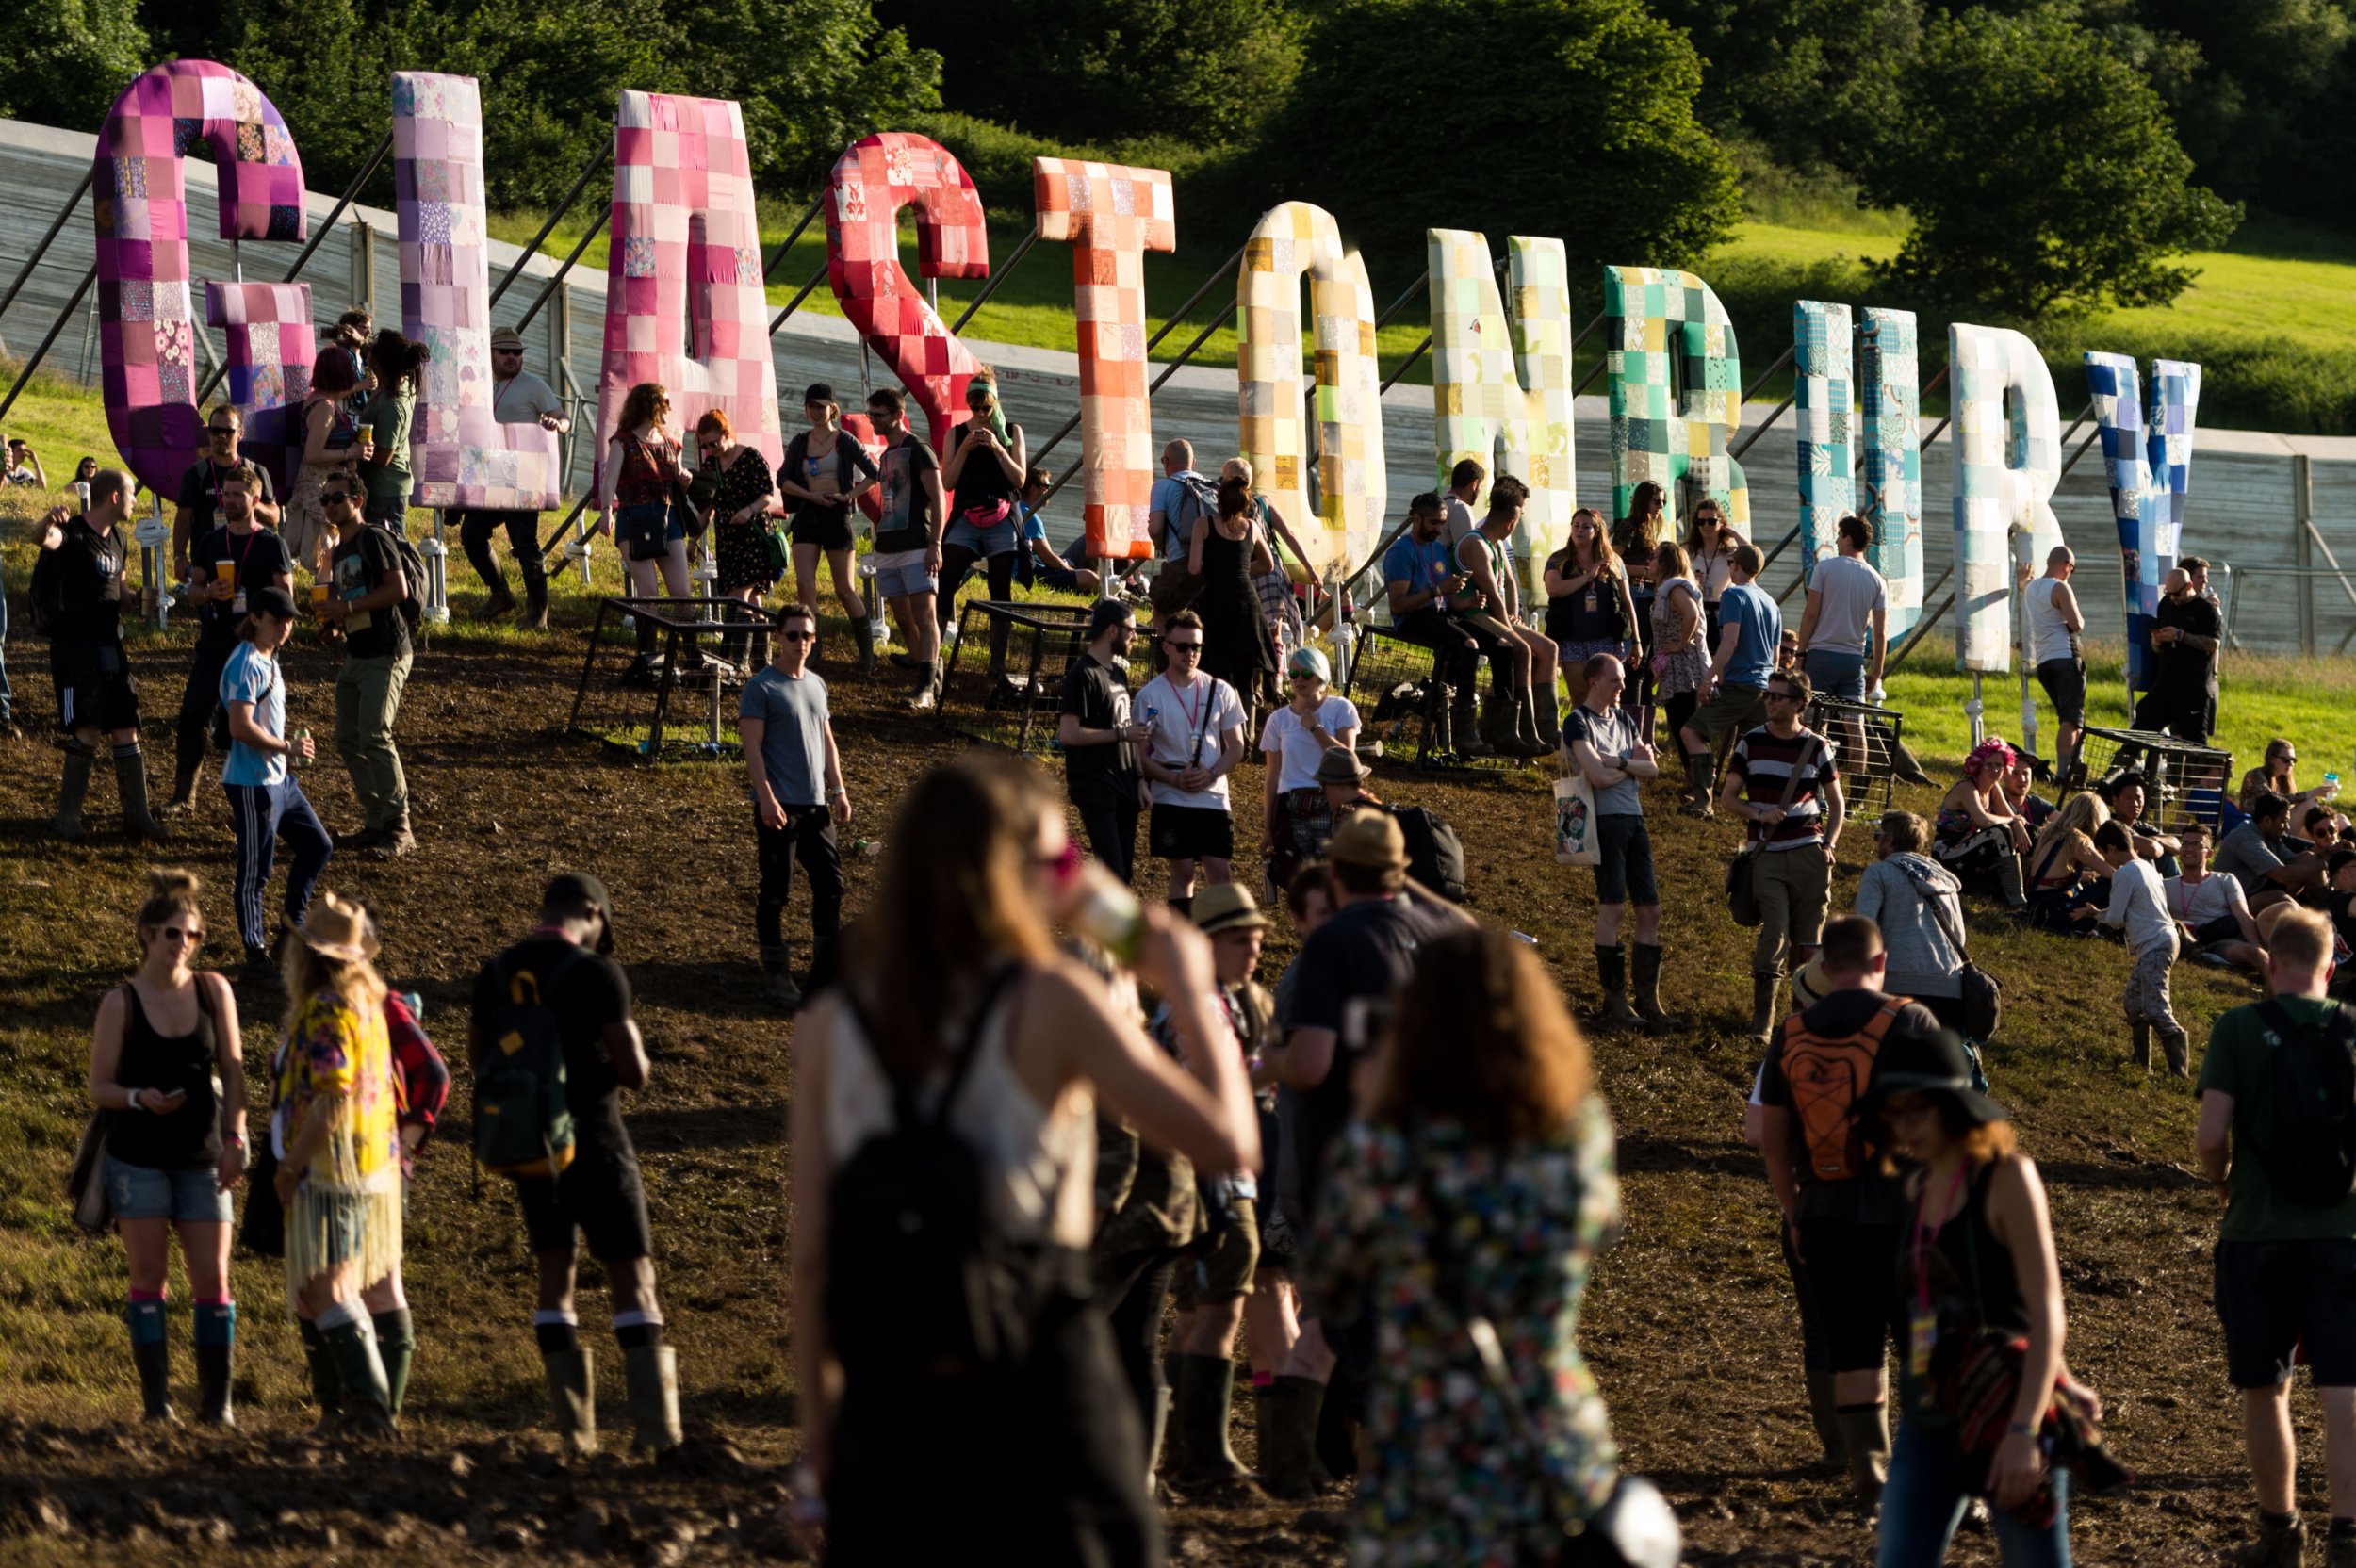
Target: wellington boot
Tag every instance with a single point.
(397, 1347)
(1825, 1414)
(573, 1399)
(2339, 1551)
(2008, 883)
(216, 1352)
(1546, 708)
(2142, 1033)
(184, 777)
(1437, 745)
(1616, 1013)
(131, 782)
(863, 633)
(651, 1372)
(1764, 1010)
(67, 823)
(1463, 726)
(536, 612)
(2179, 1056)
(1526, 741)
(327, 1385)
(1497, 725)
(367, 1398)
(1645, 963)
(151, 1352)
(500, 602)
(1206, 1392)
(1289, 1456)
(1865, 1437)
(2277, 1546)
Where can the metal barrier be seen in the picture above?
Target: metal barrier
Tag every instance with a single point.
(2194, 779)
(1029, 643)
(1871, 739)
(627, 705)
(1394, 682)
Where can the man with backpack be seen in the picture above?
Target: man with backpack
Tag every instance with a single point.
(553, 1046)
(76, 595)
(1179, 497)
(369, 602)
(1841, 1216)
(2278, 1140)
(1435, 856)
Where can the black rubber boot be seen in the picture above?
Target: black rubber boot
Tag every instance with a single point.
(67, 823)
(1646, 965)
(151, 1352)
(327, 1383)
(1611, 970)
(396, 1347)
(1206, 1392)
(1288, 1458)
(186, 764)
(1176, 1456)
(216, 1354)
(2280, 1544)
(131, 782)
(1464, 724)
(368, 1397)
(1825, 1414)
(863, 633)
(1546, 707)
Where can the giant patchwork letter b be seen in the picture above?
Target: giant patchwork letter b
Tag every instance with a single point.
(2007, 463)
(1272, 420)
(1495, 381)
(2151, 470)
(1661, 430)
(871, 182)
(685, 254)
(1112, 216)
(139, 195)
(459, 455)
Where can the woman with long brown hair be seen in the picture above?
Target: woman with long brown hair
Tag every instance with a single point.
(1227, 552)
(637, 487)
(1474, 1195)
(397, 364)
(334, 442)
(333, 1124)
(1589, 608)
(967, 1019)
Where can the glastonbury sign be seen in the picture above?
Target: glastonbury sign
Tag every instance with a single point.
(686, 298)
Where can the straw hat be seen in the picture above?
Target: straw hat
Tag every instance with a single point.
(1226, 907)
(1368, 838)
(339, 928)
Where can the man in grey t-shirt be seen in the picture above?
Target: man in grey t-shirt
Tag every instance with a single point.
(517, 397)
(1847, 600)
(1610, 753)
(798, 799)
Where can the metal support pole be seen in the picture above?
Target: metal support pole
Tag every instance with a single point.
(1784, 358)
(1408, 364)
(57, 225)
(998, 274)
(546, 229)
(557, 282)
(436, 556)
(1223, 270)
(24, 372)
(1592, 371)
(2302, 547)
(1401, 303)
(795, 303)
(777, 256)
(1781, 545)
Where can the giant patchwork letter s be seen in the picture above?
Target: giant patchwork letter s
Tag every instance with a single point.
(1112, 216)
(1288, 241)
(871, 182)
(684, 259)
(1493, 382)
(147, 328)
(459, 455)
(1674, 405)
(2151, 470)
(2007, 463)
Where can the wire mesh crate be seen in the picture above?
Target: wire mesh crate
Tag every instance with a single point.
(2195, 780)
(671, 705)
(1030, 642)
(1869, 742)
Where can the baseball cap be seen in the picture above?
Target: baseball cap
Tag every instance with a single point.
(818, 392)
(1368, 838)
(577, 887)
(274, 602)
(1227, 907)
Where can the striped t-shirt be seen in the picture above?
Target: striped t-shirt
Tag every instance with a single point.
(1764, 761)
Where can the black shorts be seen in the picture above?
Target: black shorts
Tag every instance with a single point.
(1220, 1264)
(1847, 1287)
(2225, 928)
(2065, 683)
(828, 527)
(600, 1196)
(1190, 833)
(2276, 1297)
(94, 686)
(1623, 874)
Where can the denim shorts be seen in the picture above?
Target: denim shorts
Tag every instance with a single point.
(189, 1192)
(900, 573)
(998, 539)
(1837, 675)
(646, 530)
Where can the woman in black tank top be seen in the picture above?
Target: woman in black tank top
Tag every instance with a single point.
(1976, 1268)
(167, 1074)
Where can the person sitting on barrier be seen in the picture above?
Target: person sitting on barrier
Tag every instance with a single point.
(1465, 483)
(1680, 643)
(2277, 772)
(636, 498)
(738, 520)
(1980, 838)
(1226, 553)
(1733, 691)
(907, 540)
(1299, 735)
(984, 468)
(1041, 567)
(2069, 879)
(1589, 608)
(2258, 855)
(2211, 908)
(1419, 573)
(1197, 723)
(1529, 722)
(2184, 633)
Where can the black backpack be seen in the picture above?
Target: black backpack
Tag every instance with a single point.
(45, 595)
(523, 1121)
(412, 573)
(2312, 1160)
(1435, 856)
(921, 1289)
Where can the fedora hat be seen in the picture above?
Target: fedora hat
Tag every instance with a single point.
(1227, 907)
(339, 928)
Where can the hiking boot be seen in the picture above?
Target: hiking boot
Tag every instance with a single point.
(397, 841)
(367, 838)
(1647, 964)
(2278, 1545)
(501, 602)
(651, 1372)
(131, 784)
(67, 823)
(573, 1399)
(1763, 1020)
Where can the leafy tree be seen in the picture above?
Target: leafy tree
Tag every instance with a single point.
(1572, 119)
(1204, 72)
(2042, 171)
(1812, 81)
(67, 60)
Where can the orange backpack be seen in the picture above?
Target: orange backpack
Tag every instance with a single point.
(1827, 1078)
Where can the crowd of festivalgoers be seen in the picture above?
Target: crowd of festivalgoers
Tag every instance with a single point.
(1056, 1150)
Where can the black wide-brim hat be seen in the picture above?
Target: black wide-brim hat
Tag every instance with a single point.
(1939, 1065)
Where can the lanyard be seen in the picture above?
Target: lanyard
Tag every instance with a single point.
(1926, 1237)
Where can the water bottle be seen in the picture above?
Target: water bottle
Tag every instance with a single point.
(301, 760)
(879, 624)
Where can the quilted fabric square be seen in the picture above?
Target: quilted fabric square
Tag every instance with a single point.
(638, 253)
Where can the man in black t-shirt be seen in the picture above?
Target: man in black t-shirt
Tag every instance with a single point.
(1344, 980)
(1098, 741)
(364, 603)
(96, 697)
(1841, 1216)
(2185, 633)
(198, 510)
(225, 562)
(567, 962)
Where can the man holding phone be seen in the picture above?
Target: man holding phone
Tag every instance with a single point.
(1421, 575)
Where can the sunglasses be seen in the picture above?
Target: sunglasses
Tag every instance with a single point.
(1184, 647)
(1773, 695)
(707, 446)
(799, 636)
(335, 497)
(180, 934)
(221, 430)
(1062, 866)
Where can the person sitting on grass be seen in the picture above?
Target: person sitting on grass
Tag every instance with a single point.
(2211, 907)
(1041, 567)
(2020, 787)
(2068, 877)
(2259, 855)
(2138, 907)
(2278, 773)
(1914, 900)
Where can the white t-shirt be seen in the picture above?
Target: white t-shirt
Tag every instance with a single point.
(1186, 726)
(1297, 767)
(2213, 898)
(1851, 592)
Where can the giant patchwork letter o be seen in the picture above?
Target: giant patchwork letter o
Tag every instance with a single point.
(2150, 471)
(685, 251)
(1294, 239)
(459, 455)
(871, 182)
(1112, 216)
(2007, 463)
(139, 196)
(1659, 430)
(1496, 382)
